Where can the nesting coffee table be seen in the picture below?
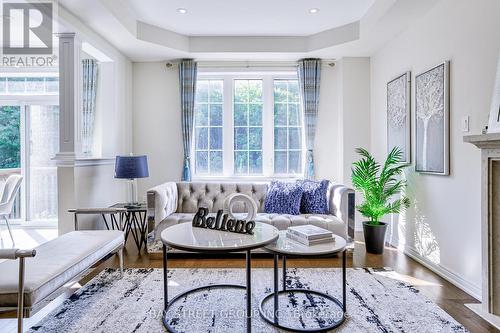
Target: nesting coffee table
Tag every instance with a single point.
(288, 248)
(188, 238)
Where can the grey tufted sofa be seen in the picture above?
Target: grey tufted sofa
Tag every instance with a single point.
(176, 202)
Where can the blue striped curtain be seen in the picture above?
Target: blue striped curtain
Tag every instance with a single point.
(187, 83)
(309, 74)
(90, 69)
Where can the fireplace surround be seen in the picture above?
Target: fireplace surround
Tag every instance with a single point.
(489, 144)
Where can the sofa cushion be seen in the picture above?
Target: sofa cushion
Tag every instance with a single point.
(192, 195)
(314, 198)
(281, 222)
(283, 198)
(56, 263)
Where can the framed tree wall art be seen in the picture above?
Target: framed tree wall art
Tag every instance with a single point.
(432, 120)
(398, 115)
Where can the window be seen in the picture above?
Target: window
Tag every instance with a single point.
(287, 128)
(208, 127)
(247, 125)
(29, 85)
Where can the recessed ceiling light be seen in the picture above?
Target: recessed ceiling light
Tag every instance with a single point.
(313, 10)
(182, 10)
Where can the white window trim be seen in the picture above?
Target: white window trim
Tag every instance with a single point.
(267, 78)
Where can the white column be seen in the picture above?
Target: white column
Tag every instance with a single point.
(70, 103)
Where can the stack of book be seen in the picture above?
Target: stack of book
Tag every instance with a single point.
(310, 235)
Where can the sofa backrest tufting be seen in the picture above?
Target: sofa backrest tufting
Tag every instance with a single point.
(191, 195)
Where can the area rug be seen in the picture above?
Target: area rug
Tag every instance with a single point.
(377, 301)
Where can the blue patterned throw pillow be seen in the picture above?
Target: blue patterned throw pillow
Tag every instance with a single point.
(314, 197)
(283, 198)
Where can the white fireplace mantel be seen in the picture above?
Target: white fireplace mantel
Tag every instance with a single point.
(484, 141)
(489, 144)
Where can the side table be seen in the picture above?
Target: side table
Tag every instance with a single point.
(134, 222)
(188, 238)
(286, 247)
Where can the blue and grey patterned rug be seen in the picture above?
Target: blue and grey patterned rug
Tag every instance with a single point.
(379, 300)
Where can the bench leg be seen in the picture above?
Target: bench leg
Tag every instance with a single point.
(120, 258)
(20, 297)
(10, 231)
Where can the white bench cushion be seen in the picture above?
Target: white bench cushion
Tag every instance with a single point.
(56, 263)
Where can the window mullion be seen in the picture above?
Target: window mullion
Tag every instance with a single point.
(248, 133)
(287, 130)
(228, 128)
(267, 126)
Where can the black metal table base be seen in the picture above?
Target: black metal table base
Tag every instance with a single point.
(190, 291)
(132, 222)
(275, 320)
(168, 303)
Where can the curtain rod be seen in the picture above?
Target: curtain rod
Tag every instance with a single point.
(252, 64)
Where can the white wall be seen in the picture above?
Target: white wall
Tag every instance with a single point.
(343, 120)
(442, 228)
(326, 145)
(354, 123)
(96, 187)
(157, 122)
(93, 185)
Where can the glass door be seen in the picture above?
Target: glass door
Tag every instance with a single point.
(29, 140)
(42, 138)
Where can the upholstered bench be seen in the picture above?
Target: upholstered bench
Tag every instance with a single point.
(54, 264)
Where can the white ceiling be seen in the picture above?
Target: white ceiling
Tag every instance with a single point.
(249, 17)
(153, 30)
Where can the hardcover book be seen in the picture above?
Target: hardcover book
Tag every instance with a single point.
(310, 232)
(329, 239)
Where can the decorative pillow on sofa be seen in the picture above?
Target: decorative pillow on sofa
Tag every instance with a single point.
(314, 197)
(283, 198)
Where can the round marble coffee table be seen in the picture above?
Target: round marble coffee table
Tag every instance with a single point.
(188, 238)
(286, 247)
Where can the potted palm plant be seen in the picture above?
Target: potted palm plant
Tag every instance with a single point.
(378, 184)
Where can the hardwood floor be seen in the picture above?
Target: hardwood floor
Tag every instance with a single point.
(443, 293)
(446, 295)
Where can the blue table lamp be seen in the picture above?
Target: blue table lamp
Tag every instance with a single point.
(132, 167)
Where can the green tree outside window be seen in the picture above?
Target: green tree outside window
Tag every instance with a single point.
(10, 139)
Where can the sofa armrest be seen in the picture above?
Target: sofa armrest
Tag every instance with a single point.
(342, 205)
(161, 202)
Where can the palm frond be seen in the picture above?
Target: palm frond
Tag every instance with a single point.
(379, 184)
(392, 165)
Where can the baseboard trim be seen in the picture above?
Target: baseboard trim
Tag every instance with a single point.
(478, 308)
(445, 273)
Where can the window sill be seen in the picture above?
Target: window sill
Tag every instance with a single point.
(244, 178)
(72, 160)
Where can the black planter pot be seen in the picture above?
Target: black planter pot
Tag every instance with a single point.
(374, 237)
